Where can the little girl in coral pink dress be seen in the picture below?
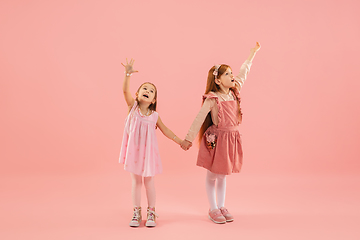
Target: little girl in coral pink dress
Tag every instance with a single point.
(217, 123)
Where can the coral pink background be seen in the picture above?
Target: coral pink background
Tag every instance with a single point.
(63, 115)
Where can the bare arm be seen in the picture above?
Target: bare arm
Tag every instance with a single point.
(126, 84)
(167, 132)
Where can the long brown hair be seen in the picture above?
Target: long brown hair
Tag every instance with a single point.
(211, 86)
(152, 106)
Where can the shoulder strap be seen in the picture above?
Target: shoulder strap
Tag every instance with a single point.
(236, 93)
(210, 95)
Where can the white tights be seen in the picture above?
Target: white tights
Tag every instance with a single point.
(136, 190)
(220, 189)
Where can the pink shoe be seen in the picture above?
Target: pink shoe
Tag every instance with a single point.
(216, 216)
(226, 214)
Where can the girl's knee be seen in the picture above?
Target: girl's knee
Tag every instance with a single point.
(148, 181)
(221, 177)
(211, 176)
(136, 179)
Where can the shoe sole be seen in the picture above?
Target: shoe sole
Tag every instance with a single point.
(150, 225)
(215, 221)
(135, 225)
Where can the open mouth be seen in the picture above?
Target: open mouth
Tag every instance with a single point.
(145, 95)
(232, 80)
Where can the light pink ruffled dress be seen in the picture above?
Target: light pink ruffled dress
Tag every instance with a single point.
(139, 150)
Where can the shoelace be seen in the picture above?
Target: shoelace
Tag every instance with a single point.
(136, 215)
(152, 215)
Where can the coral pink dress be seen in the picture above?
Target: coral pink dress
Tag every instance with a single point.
(220, 148)
(139, 150)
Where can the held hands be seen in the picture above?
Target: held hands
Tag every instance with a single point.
(256, 48)
(185, 145)
(129, 67)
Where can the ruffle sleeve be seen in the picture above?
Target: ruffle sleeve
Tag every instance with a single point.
(237, 94)
(212, 95)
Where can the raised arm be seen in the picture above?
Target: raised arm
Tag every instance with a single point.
(167, 132)
(126, 85)
(245, 68)
(253, 51)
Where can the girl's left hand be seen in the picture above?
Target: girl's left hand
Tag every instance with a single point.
(257, 47)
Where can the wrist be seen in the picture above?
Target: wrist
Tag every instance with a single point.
(127, 74)
(177, 140)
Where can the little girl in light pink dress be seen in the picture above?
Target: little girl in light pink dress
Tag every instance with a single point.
(139, 150)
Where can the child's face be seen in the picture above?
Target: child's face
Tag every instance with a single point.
(146, 93)
(227, 79)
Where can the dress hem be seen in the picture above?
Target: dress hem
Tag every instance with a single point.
(236, 171)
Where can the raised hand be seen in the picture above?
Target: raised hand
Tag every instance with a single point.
(253, 51)
(129, 66)
(185, 145)
(257, 47)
